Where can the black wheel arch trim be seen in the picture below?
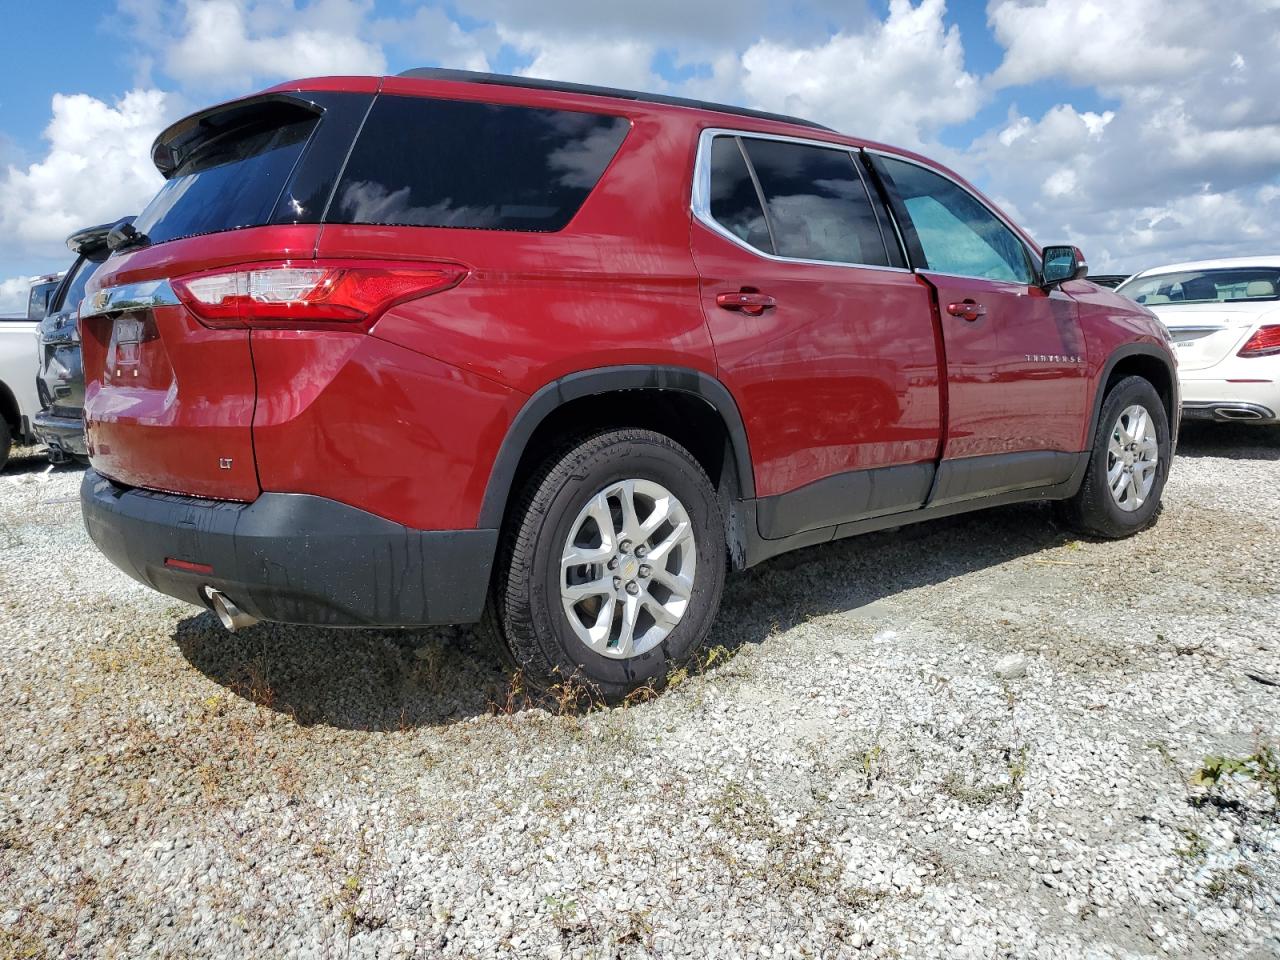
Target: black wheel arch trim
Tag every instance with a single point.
(1123, 352)
(602, 380)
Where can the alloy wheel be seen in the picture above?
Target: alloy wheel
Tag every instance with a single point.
(1133, 456)
(627, 568)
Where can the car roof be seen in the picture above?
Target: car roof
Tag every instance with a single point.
(616, 93)
(1224, 263)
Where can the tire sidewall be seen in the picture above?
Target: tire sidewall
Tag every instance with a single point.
(631, 459)
(1127, 393)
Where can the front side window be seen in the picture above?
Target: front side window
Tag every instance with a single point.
(456, 163)
(1205, 286)
(958, 234)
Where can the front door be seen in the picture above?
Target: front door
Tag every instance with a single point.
(1015, 355)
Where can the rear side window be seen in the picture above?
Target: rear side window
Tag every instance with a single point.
(794, 200)
(818, 206)
(231, 174)
(735, 202)
(452, 163)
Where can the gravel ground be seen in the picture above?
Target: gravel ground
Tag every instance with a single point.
(973, 738)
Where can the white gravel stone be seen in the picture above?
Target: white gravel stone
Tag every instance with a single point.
(856, 780)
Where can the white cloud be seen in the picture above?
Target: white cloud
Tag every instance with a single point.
(1178, 167)
(231, 43)
(98, 168)
(430, 36)
(1101, 42)
(899, 80)
(615, 63)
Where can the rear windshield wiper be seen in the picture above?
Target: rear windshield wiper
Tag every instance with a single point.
(123, 235)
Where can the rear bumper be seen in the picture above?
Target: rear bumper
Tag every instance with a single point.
(60, 434)
(1250, 396)
(292, 558)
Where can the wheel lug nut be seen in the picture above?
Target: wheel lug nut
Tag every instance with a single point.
(633, 588)
(644, 570)
(625, 546)
(613, 563)
(642, 551)
(617, 582)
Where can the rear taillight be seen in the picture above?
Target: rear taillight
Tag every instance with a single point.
(1264, 342)
(299, 293)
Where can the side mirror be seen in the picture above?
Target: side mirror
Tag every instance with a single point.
(1063, 264)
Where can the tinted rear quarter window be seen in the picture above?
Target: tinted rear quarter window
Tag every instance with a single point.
(452, 163)
(818, 206)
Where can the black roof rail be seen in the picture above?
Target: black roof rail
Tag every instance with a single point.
(504, 80)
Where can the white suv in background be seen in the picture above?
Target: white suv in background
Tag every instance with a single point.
(1224, 319)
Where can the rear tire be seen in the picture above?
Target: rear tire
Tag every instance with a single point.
(610, 595)
(1120, 495)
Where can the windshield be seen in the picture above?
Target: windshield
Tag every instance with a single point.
(1235, 285)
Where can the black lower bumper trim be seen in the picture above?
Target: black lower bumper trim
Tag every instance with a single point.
(64, 434)
(292, 558)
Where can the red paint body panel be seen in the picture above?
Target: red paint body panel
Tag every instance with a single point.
(841, 375)
(170, 403)
(1013, 381)
(358, 420)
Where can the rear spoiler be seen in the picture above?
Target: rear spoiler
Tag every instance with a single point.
(91, 239)
(178, 142)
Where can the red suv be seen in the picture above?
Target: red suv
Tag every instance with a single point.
(447, 347)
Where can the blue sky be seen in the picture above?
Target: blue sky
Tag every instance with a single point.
(1145, 130)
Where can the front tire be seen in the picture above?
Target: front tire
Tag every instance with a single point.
(1128, 466)
(613, 564)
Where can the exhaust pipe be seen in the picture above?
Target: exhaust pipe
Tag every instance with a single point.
(1237, 413)
(231, 616)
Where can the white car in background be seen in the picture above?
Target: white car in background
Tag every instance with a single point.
(18, 401)
(1224, 319)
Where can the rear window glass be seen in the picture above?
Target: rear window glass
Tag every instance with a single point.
(232, 178)
(450, 163)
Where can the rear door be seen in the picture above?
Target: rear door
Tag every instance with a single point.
(825, 338)
(169, 399)
(1015, 356)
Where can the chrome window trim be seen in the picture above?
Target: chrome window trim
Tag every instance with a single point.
(1037, 263)
(700, 203)
(129, 296)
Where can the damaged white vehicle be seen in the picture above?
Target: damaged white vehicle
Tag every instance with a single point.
(1224, 319)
